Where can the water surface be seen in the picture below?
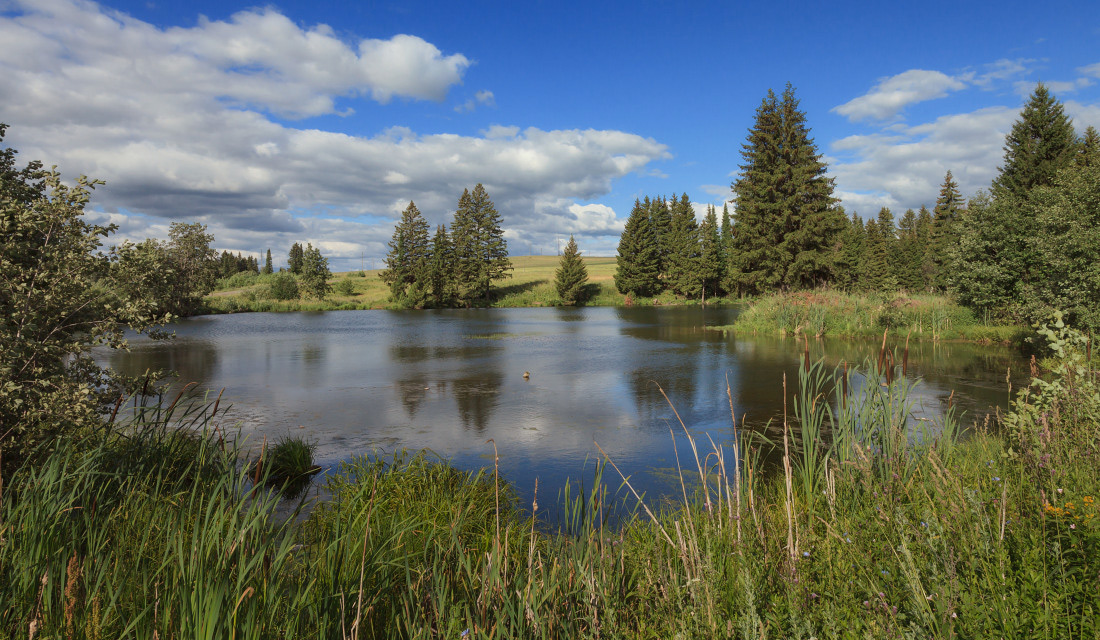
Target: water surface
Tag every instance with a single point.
(449, 380)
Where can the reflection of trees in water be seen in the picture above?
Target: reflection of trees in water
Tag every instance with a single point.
(477, 396)
(191, 360)
(683, 325)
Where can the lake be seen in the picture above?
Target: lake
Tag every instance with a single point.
(450, 380)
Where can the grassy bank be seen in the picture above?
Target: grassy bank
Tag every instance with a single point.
(832, 313)
(531, 285)
(874, 526)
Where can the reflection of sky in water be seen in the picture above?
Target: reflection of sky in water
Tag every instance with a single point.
(353, 381)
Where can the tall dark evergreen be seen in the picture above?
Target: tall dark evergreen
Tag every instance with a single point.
(888, 237)
(945, 217)
(572, 276)
(481, 252)
(924, 237)
(441, 281)
(1040, 144)
(406, 270)
(1088, 153)
(910, 253)
(874, 265)
(711, 256)
(638, 263)
(294, 260)
(849, 259)
(660, 221)
(788, 225)
(682, 262)
(268, 268)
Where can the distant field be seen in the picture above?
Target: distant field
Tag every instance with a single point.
(531, 285)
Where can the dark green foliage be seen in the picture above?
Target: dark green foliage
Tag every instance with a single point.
(1088, 154)
(294, 261)
(194, 265)
(888, 238)
(849, 260)
(924, 237)
(660, 223)
(910, 254)
(638, 263)
(315, 273)
(874, 264)
(230, 264)
(268, 268)
(480, 250)
(944, 236)
(712, 258)
(788, 226)
(407, 265)
(1041, 143)
(682, 250)
(441, 281)
(288, 466)
(284, 286)
(572, 276)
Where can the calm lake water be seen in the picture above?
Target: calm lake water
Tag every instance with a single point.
(358, 381)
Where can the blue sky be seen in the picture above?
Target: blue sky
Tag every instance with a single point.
(319, 121)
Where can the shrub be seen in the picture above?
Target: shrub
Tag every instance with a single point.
(283, 287)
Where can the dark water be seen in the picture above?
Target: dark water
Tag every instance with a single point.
(357, 381)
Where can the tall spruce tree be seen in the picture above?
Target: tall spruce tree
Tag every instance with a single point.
(406, 270)
(850, 256)
(874, 265)
(441, 278)
(711, 256)
(638, 263)
(1040, 144)
(571, 277)
(294, 260)
(1088, 154)
(682, 270)
(888, 236)
(268, 266)
(481, 252)
(788, 225)
(909, 253)
(660, 221)
(945, 216)
(925, 225)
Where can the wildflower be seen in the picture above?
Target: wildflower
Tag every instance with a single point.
(1059, 492)
(923, 523)
(805, 554)
(996, 478)
(465, 633)
(954, 615)
(1072, 526)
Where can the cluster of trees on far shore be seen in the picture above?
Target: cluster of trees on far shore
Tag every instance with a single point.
(1028, 246)
(447, 269)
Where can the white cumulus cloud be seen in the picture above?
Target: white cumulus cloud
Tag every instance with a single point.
(887, 98)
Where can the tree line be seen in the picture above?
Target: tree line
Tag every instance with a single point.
(449, 268)
(1015, 253)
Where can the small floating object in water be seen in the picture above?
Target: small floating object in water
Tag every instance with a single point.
(526, 375)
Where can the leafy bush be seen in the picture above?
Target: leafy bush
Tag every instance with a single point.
(345, 287)
(283, 287)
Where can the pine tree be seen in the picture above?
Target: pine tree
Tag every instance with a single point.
(406, 270)
(1088, 153)
(928, 253)
(849, 263)
(909, 253)
(572, 276)
(660, 221)
(788, 225)
(888, 237)
(1040, 144)
(711, 258)
(268, 267)
(294, 261)
(481, 252)
(638, 263)
(945, 217)
(315, 273)
(682, 263)
(441, 278)
(874, 265)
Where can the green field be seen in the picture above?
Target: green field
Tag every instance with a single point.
(531, 285)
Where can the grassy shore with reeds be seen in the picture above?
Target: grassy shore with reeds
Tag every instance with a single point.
(833, 313)
(875, 525)
(531, 285)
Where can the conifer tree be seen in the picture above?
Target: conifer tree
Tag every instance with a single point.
(788, 226)
(481, 252)
(711, 257)
(638, 262)
(1040, 144)
(660, 221)
(294, 261)
(909, 253)
(888, 237)
(441, 280)
(406, 270)
(315, 273)
(572, 276)
(268, 267)
(682, 270)
(924, 237)
(944, 232)
(849, 263)
(1088, 154)
(874, 265)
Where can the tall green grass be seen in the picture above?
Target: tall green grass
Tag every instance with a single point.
(874, 524)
